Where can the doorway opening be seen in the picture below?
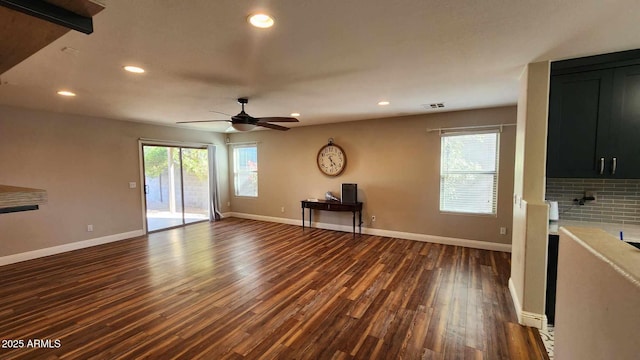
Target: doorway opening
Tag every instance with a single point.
(176, 185)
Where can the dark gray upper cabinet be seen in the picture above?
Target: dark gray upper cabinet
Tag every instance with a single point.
(625, 126)
(578, 123)
(594, 121)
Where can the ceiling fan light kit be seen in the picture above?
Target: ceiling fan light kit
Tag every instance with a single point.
(246, 122)
(243, 127)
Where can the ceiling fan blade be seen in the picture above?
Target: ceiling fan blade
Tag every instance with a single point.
(199, 121)
(276, 119)
(272, 126)
(221, 113)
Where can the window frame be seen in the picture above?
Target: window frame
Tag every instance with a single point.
(237, 172)
(495, 173)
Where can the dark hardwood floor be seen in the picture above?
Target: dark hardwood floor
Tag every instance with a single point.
(242, 289)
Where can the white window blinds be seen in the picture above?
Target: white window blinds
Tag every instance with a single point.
(469, 172)
(245, 170)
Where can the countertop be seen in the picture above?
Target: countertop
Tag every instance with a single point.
(623, 258)
(630, 232)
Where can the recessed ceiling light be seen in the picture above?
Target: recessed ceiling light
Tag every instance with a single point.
(134, 69)
(383, 103)
(262, 21)
(295, 114)
(66, 93)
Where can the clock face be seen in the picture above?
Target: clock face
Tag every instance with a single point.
(331, 160)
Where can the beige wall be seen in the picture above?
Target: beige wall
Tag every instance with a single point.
(85, 164)
(530, 220)
(395, 163)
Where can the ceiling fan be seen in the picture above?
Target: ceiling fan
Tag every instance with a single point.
(246, 122)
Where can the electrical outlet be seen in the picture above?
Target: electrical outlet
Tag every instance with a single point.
(503, 230)
(89, 228)
(132, 185)
(590, 195)
(373, 218)
(228, 203)
(282, 209)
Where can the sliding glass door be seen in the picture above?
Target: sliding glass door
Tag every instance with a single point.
(176, 184)
(195, 171)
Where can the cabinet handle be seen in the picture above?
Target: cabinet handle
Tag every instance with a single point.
(614, 166)
(601, 165)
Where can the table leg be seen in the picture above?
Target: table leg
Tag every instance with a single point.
(360, 221)
(354, 224)
(310, 218)
(303, 218)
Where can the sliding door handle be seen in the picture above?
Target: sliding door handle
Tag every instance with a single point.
(601, 165)
(146, 189)
(614, 165)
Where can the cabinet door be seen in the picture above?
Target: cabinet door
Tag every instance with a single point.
(625, 131)
(578, 124)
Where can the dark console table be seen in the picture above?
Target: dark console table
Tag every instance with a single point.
(329, 205)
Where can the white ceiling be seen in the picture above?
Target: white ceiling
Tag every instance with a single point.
(329, 60)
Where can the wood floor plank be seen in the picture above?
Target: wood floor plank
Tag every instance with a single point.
(243, 289)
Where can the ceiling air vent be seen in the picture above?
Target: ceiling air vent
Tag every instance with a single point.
(70, 51)
(433, 106)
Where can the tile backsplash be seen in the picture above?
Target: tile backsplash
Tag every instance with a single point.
(617, 201)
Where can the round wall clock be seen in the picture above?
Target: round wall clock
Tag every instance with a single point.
(331, 159)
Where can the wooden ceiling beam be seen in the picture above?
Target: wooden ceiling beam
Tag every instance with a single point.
(51, 13)
(22, 35)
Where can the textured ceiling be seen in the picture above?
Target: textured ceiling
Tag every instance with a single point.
(331, 61)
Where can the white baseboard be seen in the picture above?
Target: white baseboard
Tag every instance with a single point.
(226, 214)
(516, 301)
(526, 318)
(380, 232)
(29, 255)
(265, 218)
(534, 320)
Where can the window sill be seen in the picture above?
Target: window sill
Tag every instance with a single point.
(468, 214)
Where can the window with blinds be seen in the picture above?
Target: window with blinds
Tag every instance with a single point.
(469, 172)
(245, 170)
